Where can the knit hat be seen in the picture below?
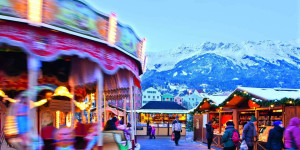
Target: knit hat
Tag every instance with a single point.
(277, 123)
(176, 117)
(253, 119)
(230, 123)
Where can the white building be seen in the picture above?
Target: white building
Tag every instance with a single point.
(151, 94)
(192, 99)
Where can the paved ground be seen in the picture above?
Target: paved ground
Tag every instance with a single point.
(165, 143)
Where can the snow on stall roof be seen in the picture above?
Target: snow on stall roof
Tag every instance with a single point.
(218, 99)
(272, 93)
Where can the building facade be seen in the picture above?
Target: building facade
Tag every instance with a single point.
(192, 99)
(150, 94)
(167, 97)
(178, 100)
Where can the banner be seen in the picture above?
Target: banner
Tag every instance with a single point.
(127, 39)
(14, 8)
(76, 16)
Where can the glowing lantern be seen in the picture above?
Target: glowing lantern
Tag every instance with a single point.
(2, 94)
(35, 10)
(62, 91)
(69, 119)
(112, 29)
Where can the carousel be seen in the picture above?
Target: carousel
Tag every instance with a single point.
(60, 59)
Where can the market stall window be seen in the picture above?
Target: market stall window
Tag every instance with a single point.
(244, 117)
(265, 122)
(214, 117)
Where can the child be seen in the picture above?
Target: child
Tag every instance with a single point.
(152, 132)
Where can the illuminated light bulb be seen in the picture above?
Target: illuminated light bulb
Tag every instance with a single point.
(35, 10)
(112, 29)
(290, 102)
(227, 102)
(234, 94)
(245, 92)
(57, 119)
(272, 105)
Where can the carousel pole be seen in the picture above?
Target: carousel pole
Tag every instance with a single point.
(72, 103)
(124, 110)
(134, 108)
(99, 109)
(33, 66)
(131, 110)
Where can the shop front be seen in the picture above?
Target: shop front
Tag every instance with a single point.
(160, 115)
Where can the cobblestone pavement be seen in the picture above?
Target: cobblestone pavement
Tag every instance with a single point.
(165, 143)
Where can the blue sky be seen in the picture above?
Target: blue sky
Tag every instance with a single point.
(167, 24)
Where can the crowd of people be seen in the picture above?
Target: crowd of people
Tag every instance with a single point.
(231, 137)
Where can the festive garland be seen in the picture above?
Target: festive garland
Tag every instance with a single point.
(263, 103)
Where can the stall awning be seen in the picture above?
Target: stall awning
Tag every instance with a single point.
(162, 111)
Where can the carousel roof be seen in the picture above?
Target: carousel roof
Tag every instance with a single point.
(163, 105)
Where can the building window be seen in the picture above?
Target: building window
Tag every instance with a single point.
(144, 96)
(163, 99)
(157, 96)
(192, 98)
(153, 97)
(148, 96)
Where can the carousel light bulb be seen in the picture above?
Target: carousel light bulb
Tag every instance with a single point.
(57, 119)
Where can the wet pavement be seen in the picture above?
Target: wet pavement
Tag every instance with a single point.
(165, 143)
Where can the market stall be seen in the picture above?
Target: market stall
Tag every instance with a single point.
(160, 114)
(266, 104)
(40, 43)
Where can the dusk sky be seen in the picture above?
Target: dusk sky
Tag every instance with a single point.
(167, 24)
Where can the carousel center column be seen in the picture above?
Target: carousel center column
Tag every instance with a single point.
(131, 110)
(33, 66)
(99, 108)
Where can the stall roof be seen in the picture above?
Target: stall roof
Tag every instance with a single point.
(162, 111)
(162, 105)
(271, 93)
(217, 98)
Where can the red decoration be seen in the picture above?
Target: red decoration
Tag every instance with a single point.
(252, 104)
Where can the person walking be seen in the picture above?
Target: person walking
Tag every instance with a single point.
(231, 137)
(152, 134)
(249, 132)
(176, 128)
(209, 133)
(291, 135)
(275, 137)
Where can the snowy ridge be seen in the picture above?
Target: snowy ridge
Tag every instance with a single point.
(239, 53)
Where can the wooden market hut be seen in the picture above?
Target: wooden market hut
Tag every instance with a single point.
(160, 114)
(266, 104)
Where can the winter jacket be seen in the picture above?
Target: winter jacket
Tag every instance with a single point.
(275, 139)
(176, 126)
(249, 133)
(153, 131)
(226, 138)
(292, 133)
(209, 131)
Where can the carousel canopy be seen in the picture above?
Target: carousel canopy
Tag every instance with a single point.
(162, 107)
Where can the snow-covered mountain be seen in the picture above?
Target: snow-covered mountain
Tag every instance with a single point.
(223, 66)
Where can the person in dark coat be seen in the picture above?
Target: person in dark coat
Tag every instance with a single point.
(209, 134)
(275, 137)
(111, 124)
(249, 133)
